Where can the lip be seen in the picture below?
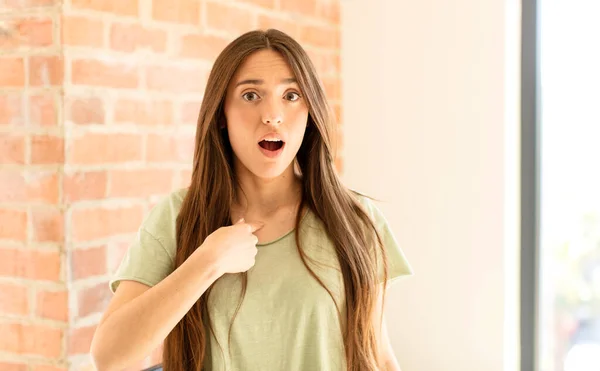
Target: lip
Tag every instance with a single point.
(272, 135)
(271, 154)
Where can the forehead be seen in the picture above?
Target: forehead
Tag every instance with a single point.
(263, 64)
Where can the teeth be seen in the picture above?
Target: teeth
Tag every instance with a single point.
(272, 140)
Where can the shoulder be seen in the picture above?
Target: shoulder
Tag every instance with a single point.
(165, 210)
(160, 223)
(369, 206)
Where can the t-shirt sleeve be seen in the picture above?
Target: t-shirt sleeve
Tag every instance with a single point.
(151, 255)
(146, 261)
(398, 265)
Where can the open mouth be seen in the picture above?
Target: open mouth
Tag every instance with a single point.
(271, 145)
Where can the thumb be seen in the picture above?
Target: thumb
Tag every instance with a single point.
(255, 226)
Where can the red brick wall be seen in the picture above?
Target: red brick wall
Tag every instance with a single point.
(98, 103)
(33, 283)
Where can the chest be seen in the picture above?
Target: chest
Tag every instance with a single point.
(275, 229)
(275, 226)
(280, 282)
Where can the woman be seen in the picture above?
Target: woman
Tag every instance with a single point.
(266, 261)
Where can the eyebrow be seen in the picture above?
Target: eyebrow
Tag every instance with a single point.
(290, 80)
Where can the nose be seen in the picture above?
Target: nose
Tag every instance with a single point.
(272, 114)
(276, 120)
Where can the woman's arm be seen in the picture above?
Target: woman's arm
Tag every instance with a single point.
(139, 318)
(391, 363)
(387, 353)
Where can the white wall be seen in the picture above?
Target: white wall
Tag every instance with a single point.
(430, 97)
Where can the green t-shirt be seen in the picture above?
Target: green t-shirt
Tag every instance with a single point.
(287, 320)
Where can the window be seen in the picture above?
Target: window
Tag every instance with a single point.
(561, 186)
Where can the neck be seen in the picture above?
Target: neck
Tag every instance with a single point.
(264, 197)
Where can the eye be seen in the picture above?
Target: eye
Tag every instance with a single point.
(250, 96)
(292, 96)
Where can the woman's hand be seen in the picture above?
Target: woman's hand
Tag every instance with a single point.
(233, 248)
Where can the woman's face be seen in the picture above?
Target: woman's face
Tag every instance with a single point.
(266, 114)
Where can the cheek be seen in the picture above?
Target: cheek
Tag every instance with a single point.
(298, 127)
(238, 135)
(239, 126)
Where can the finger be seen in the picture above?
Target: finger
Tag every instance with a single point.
(255, 226)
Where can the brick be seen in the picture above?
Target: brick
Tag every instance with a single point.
(140, 183)
(332, 64)
(229, 18)
(22, 4)
(86, 110)
(332, 88)
(31, 339)
(11, 107)
(143, 112)
(176, 79)
(339, 165)
(339, 142)
(27, 33)
(337, 109)
(327, 64)
(185, 178)
(116, 252)
(12, 149)
(94, 148)
(12, 72)
(88, 262)
(80, 340)
(170, 148)
(47, 224)
(288, 26)
(13, 366)
(91, 224)
(176, 11)
(268, 4)
(118, 7)
(14, 299)
(106, 73)
(47, 150)
(322, 37)
(30, 264)
(30, 186)
(305, 8)
(190, 112)
(329, 10)
(130, 37)
(43, 110)
(48, 368)
(52, 305)
(13, 224)
(202, 46)
(35, 32)
(46, 71)
(93, 299)
(84, 186)
(82, 31)
(315, 58)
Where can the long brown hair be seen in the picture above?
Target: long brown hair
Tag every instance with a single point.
(207, 204)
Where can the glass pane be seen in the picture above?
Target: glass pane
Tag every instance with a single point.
(569, 331)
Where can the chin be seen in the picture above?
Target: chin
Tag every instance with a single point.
(270, 169)
(268, 173)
